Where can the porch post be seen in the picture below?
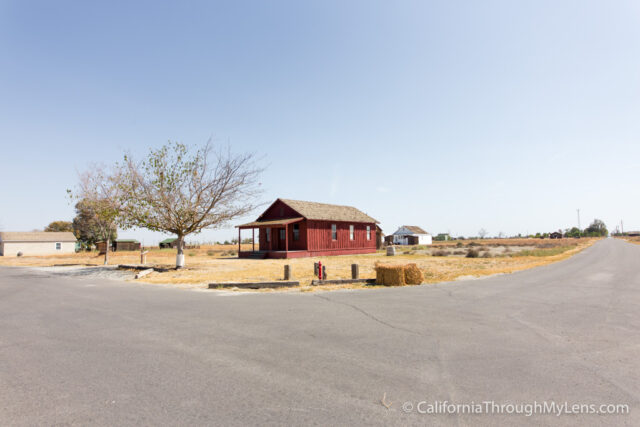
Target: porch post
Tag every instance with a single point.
(286, 237)
(253, 239)
(239, 241)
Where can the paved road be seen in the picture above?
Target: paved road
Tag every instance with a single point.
(93, 352)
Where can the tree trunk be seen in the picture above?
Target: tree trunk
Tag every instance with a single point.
(106, 251)
(180, 255)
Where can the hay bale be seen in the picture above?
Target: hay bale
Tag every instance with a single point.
(390, 275)
(413, 275)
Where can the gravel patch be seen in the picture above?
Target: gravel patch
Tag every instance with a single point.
(100, 272)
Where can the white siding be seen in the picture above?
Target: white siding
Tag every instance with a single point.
(36, 248)
(423, 239)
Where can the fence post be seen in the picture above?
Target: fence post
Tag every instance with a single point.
(315, 269)
(287, 272)
(355, 271)
(324, 272)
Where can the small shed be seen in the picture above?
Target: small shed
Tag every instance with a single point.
(119, 245)
(171, 242)
(126, 245)
(411, 235)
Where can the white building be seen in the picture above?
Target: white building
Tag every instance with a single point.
(411, 235)
(36, 243)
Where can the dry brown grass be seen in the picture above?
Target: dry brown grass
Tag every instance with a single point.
(508, 242)
(164, 257)
(631, 239)
(203, 268)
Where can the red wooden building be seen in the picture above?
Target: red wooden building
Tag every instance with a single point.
(293, 229)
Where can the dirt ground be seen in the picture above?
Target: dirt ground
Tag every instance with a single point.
(211, 264)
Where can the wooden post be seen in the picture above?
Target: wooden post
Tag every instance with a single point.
(315, 269)
(355, 271)
(239, 242)
(287, 272)
(253, 239)
(286, 238)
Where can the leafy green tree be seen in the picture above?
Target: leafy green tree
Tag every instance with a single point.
(181, 191)
(573, 232)
(86, 227)
(99, 191)
(59, 226)
(597, 228)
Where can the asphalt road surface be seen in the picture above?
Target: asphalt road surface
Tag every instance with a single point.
(99, 352)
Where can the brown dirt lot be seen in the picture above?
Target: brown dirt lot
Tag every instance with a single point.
(220, 263)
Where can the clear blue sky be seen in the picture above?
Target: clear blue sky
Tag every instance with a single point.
(450, 115)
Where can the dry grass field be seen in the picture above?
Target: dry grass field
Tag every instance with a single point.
(220, 263)
(631, 239)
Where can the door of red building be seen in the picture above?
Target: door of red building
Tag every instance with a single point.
(281, 239)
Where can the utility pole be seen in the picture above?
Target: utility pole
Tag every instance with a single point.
(579, 219)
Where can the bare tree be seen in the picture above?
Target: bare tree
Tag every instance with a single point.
(183, 191)
(99, 191)
(482, 233)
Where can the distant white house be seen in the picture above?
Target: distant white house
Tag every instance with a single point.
(411, 235)
(36, 243)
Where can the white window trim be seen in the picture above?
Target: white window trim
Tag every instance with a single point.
(334, 230)
(58, 246)
(352, 232)
(368, 232)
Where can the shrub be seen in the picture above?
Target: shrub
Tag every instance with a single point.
(472, 253)
(191, 254)
(459, 245)
(459, 253)
(439, 252)
(487, 255)
(211, 252)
